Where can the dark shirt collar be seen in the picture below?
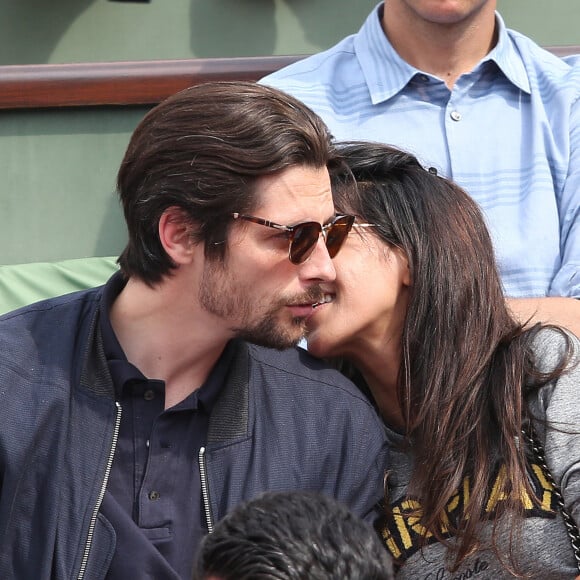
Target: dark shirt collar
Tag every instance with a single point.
(123, 372)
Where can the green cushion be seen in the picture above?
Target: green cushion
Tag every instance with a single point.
(23, 284)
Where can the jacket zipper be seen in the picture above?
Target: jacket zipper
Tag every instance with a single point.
(93, 521)
(205, 489)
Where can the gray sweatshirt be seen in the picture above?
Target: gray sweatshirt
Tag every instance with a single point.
(543, 550)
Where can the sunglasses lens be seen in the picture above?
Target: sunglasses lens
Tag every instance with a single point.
(304, 239)
(337, 233)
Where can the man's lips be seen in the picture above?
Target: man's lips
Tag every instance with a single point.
(301, 310)
(307, 306)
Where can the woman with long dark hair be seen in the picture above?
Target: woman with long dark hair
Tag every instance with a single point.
(417, 311)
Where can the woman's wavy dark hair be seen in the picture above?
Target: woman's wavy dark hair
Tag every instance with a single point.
(465, 360)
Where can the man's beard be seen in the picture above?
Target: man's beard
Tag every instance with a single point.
(269, 333)
(221, 296)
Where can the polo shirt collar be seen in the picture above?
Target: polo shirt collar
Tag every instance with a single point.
(386, 73)
(507, 58)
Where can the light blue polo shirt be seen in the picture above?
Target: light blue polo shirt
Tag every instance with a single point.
(508, 132)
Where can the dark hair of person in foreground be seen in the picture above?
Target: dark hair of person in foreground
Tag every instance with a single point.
(293, 536)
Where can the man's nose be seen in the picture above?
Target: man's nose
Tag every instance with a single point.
(319, 264)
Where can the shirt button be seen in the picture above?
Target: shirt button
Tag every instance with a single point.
(455, 115)
(149, 395)
(154, 495)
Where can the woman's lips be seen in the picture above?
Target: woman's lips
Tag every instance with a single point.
(325, 300)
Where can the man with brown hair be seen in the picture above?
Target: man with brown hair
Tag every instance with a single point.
(134, 415)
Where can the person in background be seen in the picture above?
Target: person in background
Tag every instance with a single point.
(293, 536)
(135, 415)
(417, 313)
(446, 81)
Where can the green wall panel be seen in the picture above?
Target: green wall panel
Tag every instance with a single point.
(554, 22)
(57, 197)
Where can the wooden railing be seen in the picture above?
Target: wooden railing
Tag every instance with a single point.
(133, 83)
(122, 83)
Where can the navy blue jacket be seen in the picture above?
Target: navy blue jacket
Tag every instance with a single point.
(282, 422)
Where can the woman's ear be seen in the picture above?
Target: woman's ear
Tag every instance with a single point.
(175, 234)
(401, 257)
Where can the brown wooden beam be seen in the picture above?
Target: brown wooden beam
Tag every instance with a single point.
(122, 83)
(134, 82)
(568, 50)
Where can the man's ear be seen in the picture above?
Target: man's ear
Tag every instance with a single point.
(175, 233)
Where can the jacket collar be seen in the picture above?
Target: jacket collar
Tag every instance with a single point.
(230, 415)
(95, 375)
